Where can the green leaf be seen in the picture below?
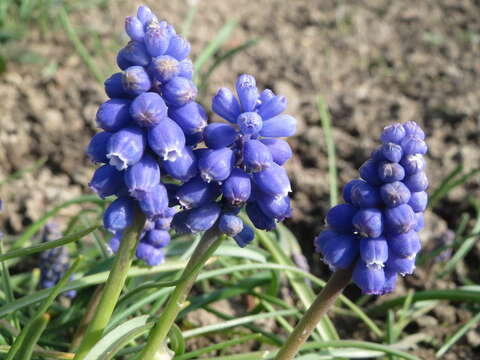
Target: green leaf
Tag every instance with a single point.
(458, 334)
(32, 334)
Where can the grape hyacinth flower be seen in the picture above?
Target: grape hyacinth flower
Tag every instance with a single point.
(376, 230)
(54, 262)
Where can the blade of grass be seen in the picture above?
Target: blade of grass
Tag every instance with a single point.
(221, 37)
(22, 340)
(7, 287)
(19, 174)
(187, 23)
(458, 334)
(32, 334)
(79, 47)
(330, 144)
(48, 245)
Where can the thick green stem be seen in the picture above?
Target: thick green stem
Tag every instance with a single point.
(332, 290)
(206, 247)
(113, 287)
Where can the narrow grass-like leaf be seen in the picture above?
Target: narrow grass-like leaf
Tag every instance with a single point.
(31, 337)
(22, 341)
(221, 37)
(177, 342)
(461, 295)
(79, 47)
(458, 334)
(7, 286)
(216, 347)
(19, 174)
(37, 225)
(47, 245)
(187, 23)
(386, 349)
(330, 144)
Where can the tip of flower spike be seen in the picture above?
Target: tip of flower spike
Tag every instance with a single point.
(117, 161)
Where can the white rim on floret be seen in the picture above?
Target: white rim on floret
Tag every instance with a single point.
(117, 161)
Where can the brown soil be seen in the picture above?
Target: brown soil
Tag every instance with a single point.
(373, 61)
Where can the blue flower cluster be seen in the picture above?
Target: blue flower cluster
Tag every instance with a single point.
(160, 157)
(378, 225)
(54, 262)
(150, 123)
(242, 164)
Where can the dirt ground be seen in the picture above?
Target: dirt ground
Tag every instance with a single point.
(373, 62)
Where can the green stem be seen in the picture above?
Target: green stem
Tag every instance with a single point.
(205, 248)
(332, 290)
(112, 290)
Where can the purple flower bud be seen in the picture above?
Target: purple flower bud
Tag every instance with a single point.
(371, 279)
(219, 135)
(142, 176)
(148, 109)
(145, 15)
(164, 222)
(256, 156)
(190, 117)
(156, 238)
(390, 282)
(135, 53)
(179, 91)
(155, 202)
(412, 144)
(106, 181)
(323, 238)
(250, 123)
(390, 172)
(374, 251)
(369, 172)
(347, 190)
(157, 38)
(412, 128)
(193, 139)
(126, 147)
(97, 148)
(134, 28)
(237, 188)
(273, 180)
(114, 87)
(400, 219)
(417, 182)
(413, 163)
(419, 222)
(266, 95)
(247, 92)
(164, 68)
(273, 107)
(135, 80)
(279, 149)
(197, 192)
(119, 215)
(203, 217)
(364, 195)
(167, 139)
(339, 250)
(377, 155)
(418, 201)
(403, 266)
(279, 126)
(259, 219)
(149, 254)
(114, 242)
(245, 236)
(184, 167)
(392, 152)
(226, 105)
(369, 222)
(394, 194)
(274, 207)
(178, 47)
(179, 222)
(393, 133)
(216, 165)
(113, 115)
(340, 218)
(230, 224)
(186, 69)
(404, 245)
(122, 62)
